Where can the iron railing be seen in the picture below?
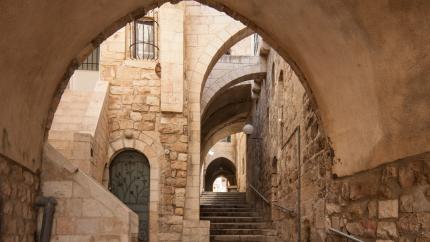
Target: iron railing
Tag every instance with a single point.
(284, 209)
(340, 233)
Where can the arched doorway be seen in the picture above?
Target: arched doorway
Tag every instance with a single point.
(220, 184)
(220, 168)
(129, 181)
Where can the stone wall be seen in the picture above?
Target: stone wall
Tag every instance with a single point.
(85, 211)
(389, 203)
(134, 112)
(80, 128)
(240, 148)
(18, 189)
(290, 158)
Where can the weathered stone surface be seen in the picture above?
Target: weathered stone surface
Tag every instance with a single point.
(18, 190)
(387, 230)
(135, 116)
(179, 165)
(388, 209)
(372, 208)
(415, 201)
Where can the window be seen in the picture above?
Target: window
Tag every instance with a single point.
(227, 139)
(256, 43)
(91, 63)
(145, 38)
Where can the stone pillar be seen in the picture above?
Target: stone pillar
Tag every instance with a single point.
(172, 57)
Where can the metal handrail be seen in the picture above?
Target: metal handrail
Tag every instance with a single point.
(284, 209)
(345, 235)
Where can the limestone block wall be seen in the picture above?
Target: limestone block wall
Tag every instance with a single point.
(388, 203)
(240, 150)
(135, 117)
(86, 211)
(18, 190)
(80, 128)
(289, 157)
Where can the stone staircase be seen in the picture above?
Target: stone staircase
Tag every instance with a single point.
(232, 219)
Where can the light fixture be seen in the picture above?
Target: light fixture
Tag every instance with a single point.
(248, 129)
(211, 152)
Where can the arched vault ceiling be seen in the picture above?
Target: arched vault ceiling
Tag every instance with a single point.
(232, 96)
(220, 133)
(229, 108)
(229, 71)
(220, 167)
(366, 64)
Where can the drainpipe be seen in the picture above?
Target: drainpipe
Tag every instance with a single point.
(48, 204)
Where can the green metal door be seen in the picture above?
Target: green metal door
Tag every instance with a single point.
(129, 181)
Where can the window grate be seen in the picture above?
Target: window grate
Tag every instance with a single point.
(145, 38)
(91, 63)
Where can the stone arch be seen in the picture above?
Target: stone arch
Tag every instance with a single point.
(220, 50)
(234, 105)
(228, 169)
(149, 146)
(224, 131)
(351, 69)
(230, 78)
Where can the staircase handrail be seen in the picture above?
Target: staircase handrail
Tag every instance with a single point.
(338, 232)
(284, 209)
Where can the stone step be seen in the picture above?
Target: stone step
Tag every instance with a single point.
(228, 214)
(222, 200)
(221, 197)
(225, 203)
(254, 238)
(223, 193)
(254, 225)
(202, 206)
(242, 232)
(229, 219)
(225, 209)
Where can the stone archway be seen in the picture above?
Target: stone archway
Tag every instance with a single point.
(230, 75)
(219, 167)
(332, 66)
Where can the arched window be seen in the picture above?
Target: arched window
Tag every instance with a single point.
(129, 181)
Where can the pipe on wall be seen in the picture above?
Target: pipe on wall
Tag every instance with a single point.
(48, 204)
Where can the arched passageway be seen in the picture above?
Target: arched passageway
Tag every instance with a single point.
(368, 95)
(350, 76)
(217, 168)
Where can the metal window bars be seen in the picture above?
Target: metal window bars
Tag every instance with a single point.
(144, 37)
(91, 63)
